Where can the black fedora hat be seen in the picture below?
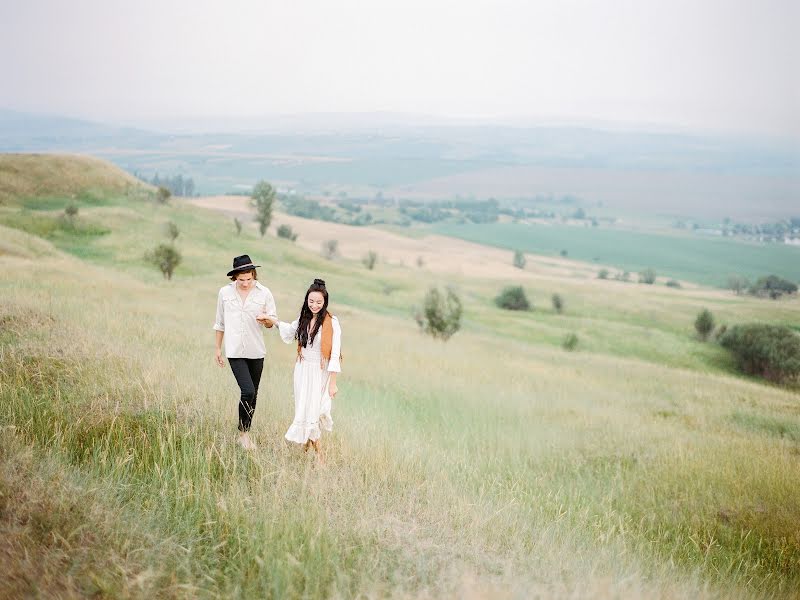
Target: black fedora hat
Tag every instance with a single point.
(242, 263)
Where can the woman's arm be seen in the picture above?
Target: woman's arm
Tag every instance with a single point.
(286, 330)
(334, 364)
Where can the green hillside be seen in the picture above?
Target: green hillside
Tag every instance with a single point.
(496, 464)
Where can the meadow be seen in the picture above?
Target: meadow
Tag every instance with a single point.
(496, 464)
(703, 260)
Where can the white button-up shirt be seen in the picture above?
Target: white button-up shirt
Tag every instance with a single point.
(243, 334)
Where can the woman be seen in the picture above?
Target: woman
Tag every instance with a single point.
(241, 306)
(319, 343)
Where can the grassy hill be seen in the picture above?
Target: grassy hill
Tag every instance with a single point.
(494, 465)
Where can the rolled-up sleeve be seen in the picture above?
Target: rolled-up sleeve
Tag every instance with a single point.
(287, 330)
(334, 365)
(219, 322)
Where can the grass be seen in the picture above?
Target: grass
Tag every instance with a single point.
(495, 465)
(691, 258)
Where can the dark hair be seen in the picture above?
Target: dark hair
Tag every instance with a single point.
(303, 336)
(253, 271)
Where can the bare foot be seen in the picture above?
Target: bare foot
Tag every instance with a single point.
(245, 442)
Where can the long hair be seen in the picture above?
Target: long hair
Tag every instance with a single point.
(303, 336)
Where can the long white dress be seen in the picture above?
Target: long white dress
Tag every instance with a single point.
(312, 403)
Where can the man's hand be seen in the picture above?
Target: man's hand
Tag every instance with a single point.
(218, 357)
(266, 320)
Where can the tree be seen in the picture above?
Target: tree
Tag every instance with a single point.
(238, 224)
(602, 274)
(330, 249)
(771, 351)
(513, 298)
(570, 342)
(263, 198)
(171, 231)
(737, 283)
(441, 313)
(519, 259)
(166, 257)
(163, 195)
(773, 286)
(285, 231)
(704, 324)
(369, 260)
(71, 211)
(558, 303)
(647, 276)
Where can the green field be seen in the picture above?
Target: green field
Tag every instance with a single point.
(709, 261)
(496, 464)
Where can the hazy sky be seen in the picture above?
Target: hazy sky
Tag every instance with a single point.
(727, 64)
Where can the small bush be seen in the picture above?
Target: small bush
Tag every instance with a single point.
(441, 314)
(166, 257)
(624, 276)
(738, 284)
(558, 303)
(647, 276)
(420, 262)
(513, 298)
(519, 259)
(704, 324)
(238, 224)
(570, 342)
(330, 249)
(369, 260)
(771, 351)
(673, 284)
(563, 253)
(286, 232)
(163, 195)
(602, 274)
(71, 211)
(171, 231)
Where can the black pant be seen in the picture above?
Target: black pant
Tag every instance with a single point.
(248, 374)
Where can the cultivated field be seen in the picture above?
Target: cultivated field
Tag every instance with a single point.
(494, 465)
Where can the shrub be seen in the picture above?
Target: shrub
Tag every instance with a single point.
(772, 286)
(704, 324)
(163, 195)
(570, 342)
(771, 351)
(647, 276)
(420, 262)
(441, 313)
(737, 283)
(238, 224)
(71, 211)
(558, 303)
(171, 231)
(285, 231)
(563, 253)
(673, 284)
(513, 298)
(263, 198)
(330, 249)
(369, 260)
(166, 257)
(519, 259)
(602, 274)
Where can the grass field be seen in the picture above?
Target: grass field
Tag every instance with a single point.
(494, 465)
(709, 261)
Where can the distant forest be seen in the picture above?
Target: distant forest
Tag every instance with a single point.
(177, 184)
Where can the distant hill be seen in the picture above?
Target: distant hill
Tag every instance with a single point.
(37, 175)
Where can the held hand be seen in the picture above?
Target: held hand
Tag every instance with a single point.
(219, 359)
(332, 389)
(266, 320)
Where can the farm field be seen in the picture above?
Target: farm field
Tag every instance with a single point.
(497, 464)
(708, 261)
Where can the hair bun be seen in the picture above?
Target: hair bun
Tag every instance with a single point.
(319, 282)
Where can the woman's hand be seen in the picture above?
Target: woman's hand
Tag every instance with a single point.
(219, 358)
(332, 389)
(266, 320)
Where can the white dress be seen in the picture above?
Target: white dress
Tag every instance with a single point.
(312, 403)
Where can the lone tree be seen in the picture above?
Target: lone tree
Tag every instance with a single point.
(704, 324)
(558, 303)
(738, 284)
(171, 230)
(330, 248)
(771, 351)
(519, 259)
(238, 224)
(166, 257)
(369, 260)
(441, 313)
(70, 212)
(647, 276)
(163, 195)
(773, 286)
(263, 198)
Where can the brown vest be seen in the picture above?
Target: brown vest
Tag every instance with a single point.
(327, 341)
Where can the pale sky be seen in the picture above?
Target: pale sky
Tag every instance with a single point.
(729, 65)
